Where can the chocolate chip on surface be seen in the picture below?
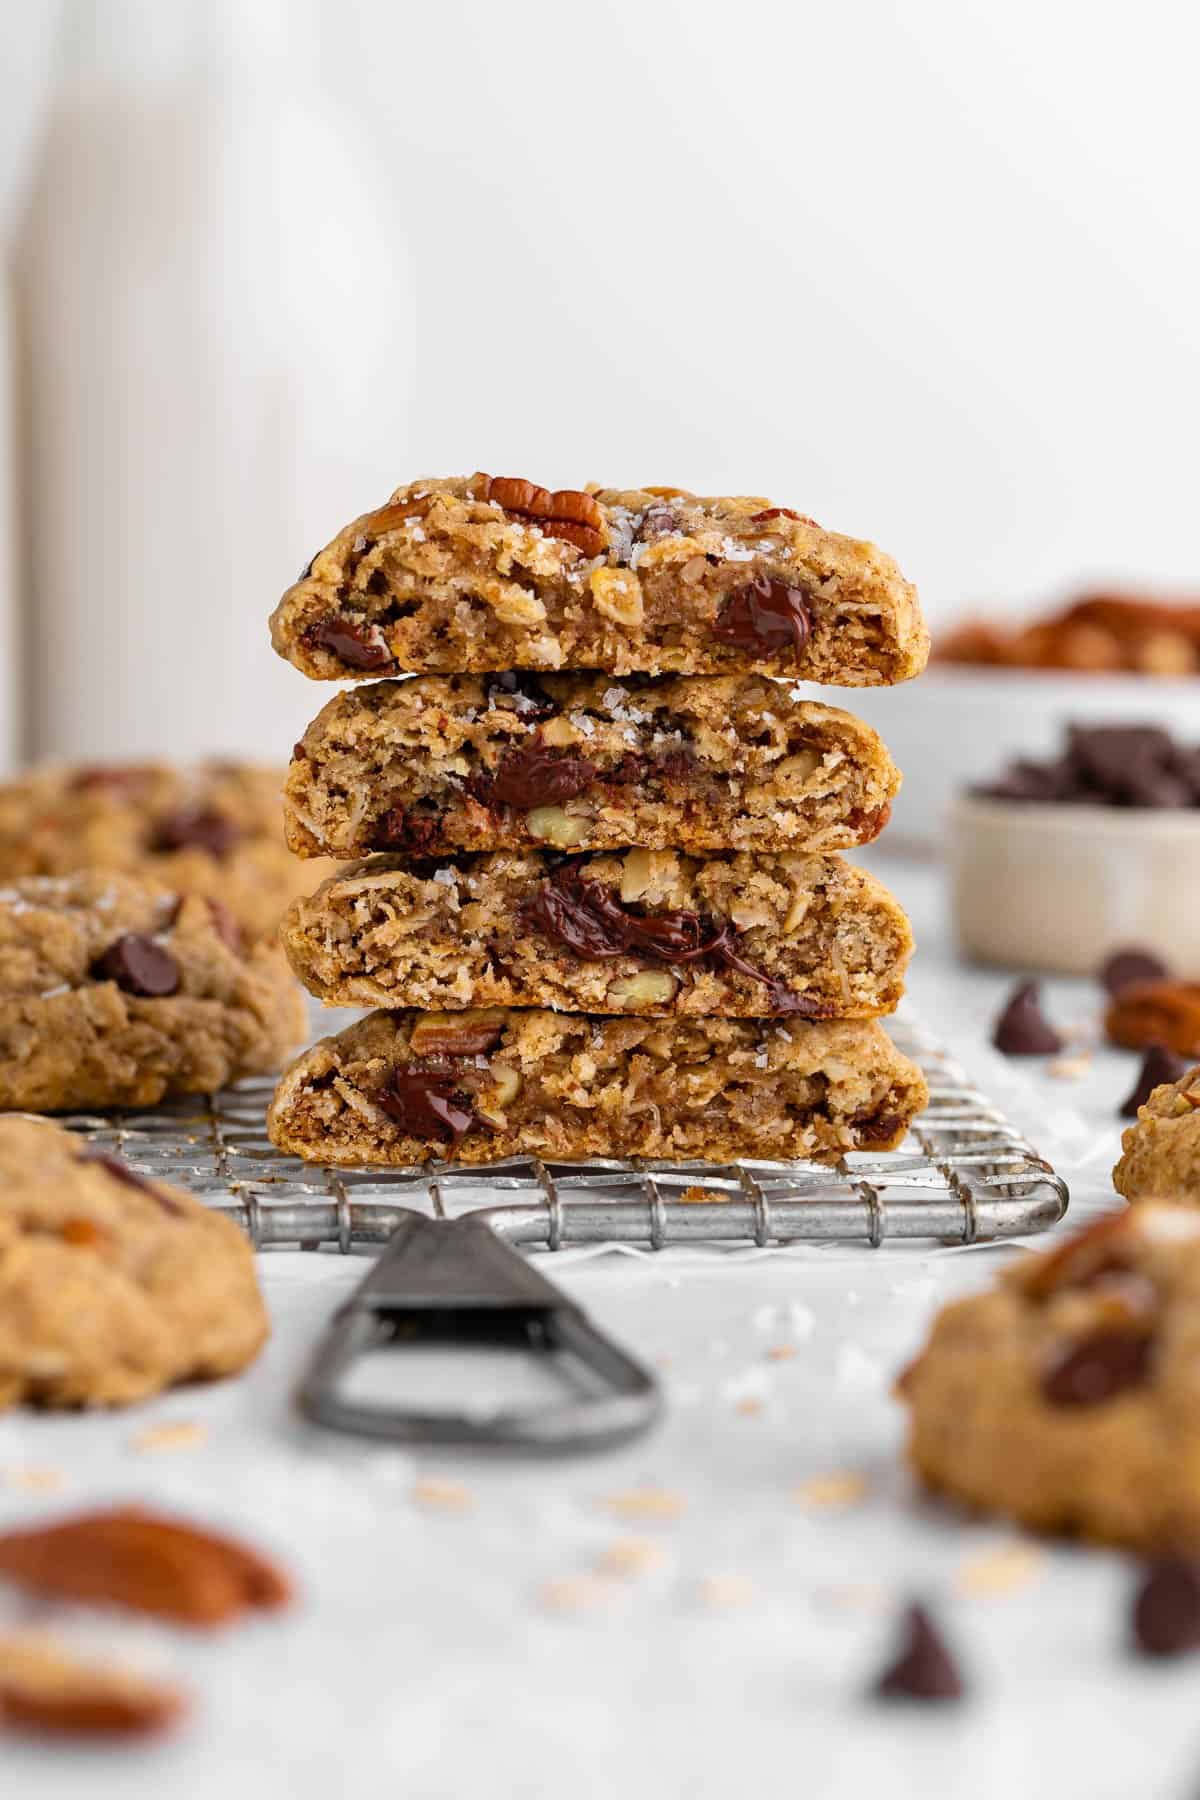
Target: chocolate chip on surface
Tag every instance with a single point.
(1166, 1609)
(1160, 1067)
(763, 616)
(1129, 965)
(428, 1100)
(138, 966)
(1022, 1029)
(197, 828)
(924, 1668)
(353, 641)
(1091, 1370)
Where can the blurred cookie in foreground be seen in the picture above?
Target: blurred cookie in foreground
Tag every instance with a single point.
(1156, 1012)
(215, 829)
(1067, 1396)
(403, 1087)
(1161, 1150)
(118, 992)
(1100, 634)
(112, 1286)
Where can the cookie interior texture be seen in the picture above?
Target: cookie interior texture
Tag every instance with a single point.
(610, 933)
(1160, 1157)
(112, 1287)
(78, 1027)
(584, 761)
(214, 829)
(1068, 1395)
(401, 1087)
(477, 574)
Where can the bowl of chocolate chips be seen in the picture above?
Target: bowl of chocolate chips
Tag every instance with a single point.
(1056, 862)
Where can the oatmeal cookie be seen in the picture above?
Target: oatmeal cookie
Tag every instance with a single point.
(112, 1286)
(213, 830)
(637, 931)
(117, 992)
(1068, 1394)
(582, 761)
(495, 573)
(402, 1087)
(1161, 1151)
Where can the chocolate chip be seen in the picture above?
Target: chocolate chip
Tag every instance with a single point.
(1106, 1362)
(588, 918)
(1107, 765)
(1160, 1066)
(225, 925)
(538, 775)
(352, 641)
(138, 966)
(428, 1100)
(197, 828)
(1166, 1610)
(524, 693)
(400, 829)
(299, 753)
(1022, 1029)
(657, 522)
(120, 1171)
(924, 1668)
(1125, 967)
(764, 616)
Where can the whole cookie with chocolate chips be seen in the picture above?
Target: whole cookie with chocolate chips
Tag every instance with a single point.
(494, 572)
(116, 992)
(1068, 1395)
(112, 1286)
(1161, 1150)
(214, 830)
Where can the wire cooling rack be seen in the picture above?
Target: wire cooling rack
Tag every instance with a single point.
(964, 1175)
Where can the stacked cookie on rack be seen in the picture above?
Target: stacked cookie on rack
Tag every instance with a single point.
(600, 908)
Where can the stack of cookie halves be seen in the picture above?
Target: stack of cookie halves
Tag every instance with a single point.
(599, 907)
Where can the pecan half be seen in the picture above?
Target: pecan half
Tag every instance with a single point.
(45, 1688)
(1156, 1012)
(141, 1560)
(566, 513)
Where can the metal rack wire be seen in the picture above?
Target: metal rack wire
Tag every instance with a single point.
(964, 1175)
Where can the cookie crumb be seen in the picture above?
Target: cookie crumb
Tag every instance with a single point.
(1070, 1068)
(630, 1556)
(1001, 1570)
(184, 1435)
(841, 1487)
(573, 1593)
(34, 1480)
(723, 1592)
(438, 1494)
(646, 1503)
(781, 1352)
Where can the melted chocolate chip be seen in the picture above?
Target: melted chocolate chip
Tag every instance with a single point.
(763, 617)
(353, 641)
(428, 1100)
(924, 1668)
(525, 694)
(1106, 1362)
(1159, 1067)
(1125, 968)
(120, 1171)
(589, 918)
(537, 775)
(399, 829)
(1166, 1611)
(197, 828)
(138, 966)
(1022, 1029)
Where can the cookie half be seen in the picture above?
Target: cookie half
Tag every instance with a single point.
(112, 1286)
(485, 573)
(214, 829)
(575, 762)
(1068, 1395)
(116, 992)
(401, 1087)
(636, 931)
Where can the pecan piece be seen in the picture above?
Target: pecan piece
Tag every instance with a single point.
(45, 1688)
(141, 1560)
(780, 512)
(1157, 1012)
(566, 513)
(467, 1033)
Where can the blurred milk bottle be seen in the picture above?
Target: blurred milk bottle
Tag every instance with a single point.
(219, 323)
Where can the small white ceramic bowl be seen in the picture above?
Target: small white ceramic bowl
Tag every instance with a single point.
(954, 728)
(1060, 887)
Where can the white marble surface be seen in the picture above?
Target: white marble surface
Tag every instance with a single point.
(443, 1651)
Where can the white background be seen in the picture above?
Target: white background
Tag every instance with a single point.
(927, 272)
